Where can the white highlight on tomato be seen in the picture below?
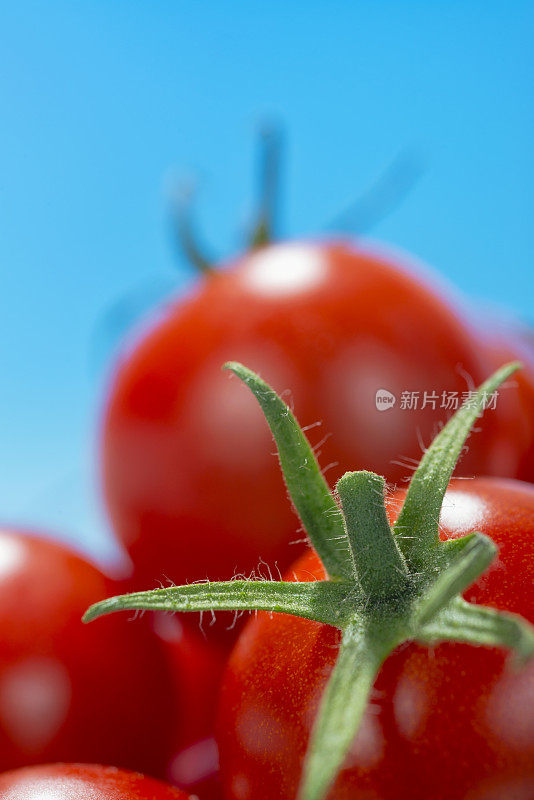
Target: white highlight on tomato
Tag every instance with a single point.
(58, 789)
(170, 629)
(461, 512)
(196, 763)
(409, 707)
(234, 430)
(352, 380)
(286, 269)
(367, 750)
(507, 713)
(12, 553)
(34, 701)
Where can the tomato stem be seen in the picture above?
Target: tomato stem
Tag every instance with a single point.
(184, 231)
(269, 183)
(323, 601)
(465, 622)
(467, 564)
(306, 485)
(379, 565)
(417, 526)
(264, 227)
(385, 194)
(362, 651)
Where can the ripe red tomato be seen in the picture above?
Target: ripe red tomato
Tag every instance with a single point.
(502, 344)
(455, 722)
(196, 666)
(83, 782)
(73, 693)
(190, 479)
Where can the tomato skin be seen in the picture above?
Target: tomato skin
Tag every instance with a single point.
(454, 722)
(83, 782)
(190, 480)
(196, 666)
(505, 343)
(69, 691)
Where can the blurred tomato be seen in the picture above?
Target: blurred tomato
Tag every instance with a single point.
(112, 692)
(513, 429)
(191, 483)
(196, 666)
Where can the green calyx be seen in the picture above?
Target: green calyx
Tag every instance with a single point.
(387, 192)
(264, 227)
(386, 584)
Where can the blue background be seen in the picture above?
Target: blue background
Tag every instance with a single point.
(103, 102)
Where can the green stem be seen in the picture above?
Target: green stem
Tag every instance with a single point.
(472, 560)
(270, 149)
(478, 625)
(379, 564)
(343, 704)
(383, 196)
(185, 234)
(417, 526)
(383, 589)
(321, 601)
(308, 489)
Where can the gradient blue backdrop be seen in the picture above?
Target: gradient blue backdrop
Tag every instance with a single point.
(101, 101)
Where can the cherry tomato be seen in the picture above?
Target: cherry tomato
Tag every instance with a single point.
(196, 666)
(509, 342)
(83, 782)
(191, 483)
(70, 692)
(455, 722)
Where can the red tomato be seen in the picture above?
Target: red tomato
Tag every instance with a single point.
(70, 692)
(83, 782)
(452, 723)
(190, 479)
(504, 343)
(197, 667)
